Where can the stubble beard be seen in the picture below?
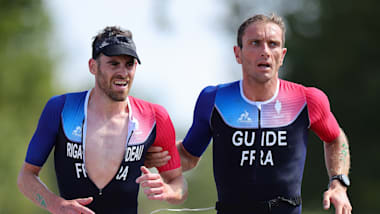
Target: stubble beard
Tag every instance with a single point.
(106, 88)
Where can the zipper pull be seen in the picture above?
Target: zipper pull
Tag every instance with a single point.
(130, 136)
(100, 192)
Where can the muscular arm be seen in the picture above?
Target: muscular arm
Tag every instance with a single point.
(169, 184)
(156, 157)
(197, 139)
(188, 161)
(33, 188)
(337, 157)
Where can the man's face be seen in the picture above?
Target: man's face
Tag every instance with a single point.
(262, 51)
(114, 75)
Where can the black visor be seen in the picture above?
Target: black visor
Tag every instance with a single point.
(115, 46)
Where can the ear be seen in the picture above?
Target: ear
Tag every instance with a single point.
(136, 63)
(237, 52)
(93, 66)
(284, 50)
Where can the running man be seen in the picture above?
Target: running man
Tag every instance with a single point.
(259, 126)
(100, 138)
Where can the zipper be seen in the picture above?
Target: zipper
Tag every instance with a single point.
(130, 136)
(100, 192)
(259, 118)
(255, 168)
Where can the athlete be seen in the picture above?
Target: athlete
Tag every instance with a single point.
(100, 138)
(259, 126)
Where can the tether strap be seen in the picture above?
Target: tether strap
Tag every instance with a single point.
(184, 209)
(258, 206)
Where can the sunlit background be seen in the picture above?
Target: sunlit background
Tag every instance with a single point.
(185, 46)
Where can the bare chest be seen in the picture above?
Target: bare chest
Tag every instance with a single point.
(105, 148)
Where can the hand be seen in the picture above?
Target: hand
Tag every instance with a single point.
(155, 187)
(337, 194)
(155, 157)
(75, 206)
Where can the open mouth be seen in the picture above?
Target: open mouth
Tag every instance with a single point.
(121, 83)
(264, 65)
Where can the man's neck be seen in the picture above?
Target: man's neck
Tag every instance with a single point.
(105, 107)
(259, 91)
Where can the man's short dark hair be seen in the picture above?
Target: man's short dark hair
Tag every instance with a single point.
(273, 18)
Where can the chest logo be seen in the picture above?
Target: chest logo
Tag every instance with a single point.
(77, 132)
(278, 106)
(244, 117)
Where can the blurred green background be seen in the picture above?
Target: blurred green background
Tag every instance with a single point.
(331, 45)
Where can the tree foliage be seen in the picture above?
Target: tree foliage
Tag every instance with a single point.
(25, 85)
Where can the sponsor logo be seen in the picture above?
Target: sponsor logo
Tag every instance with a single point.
(278, 107)
(244, 117)
(77, 132)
